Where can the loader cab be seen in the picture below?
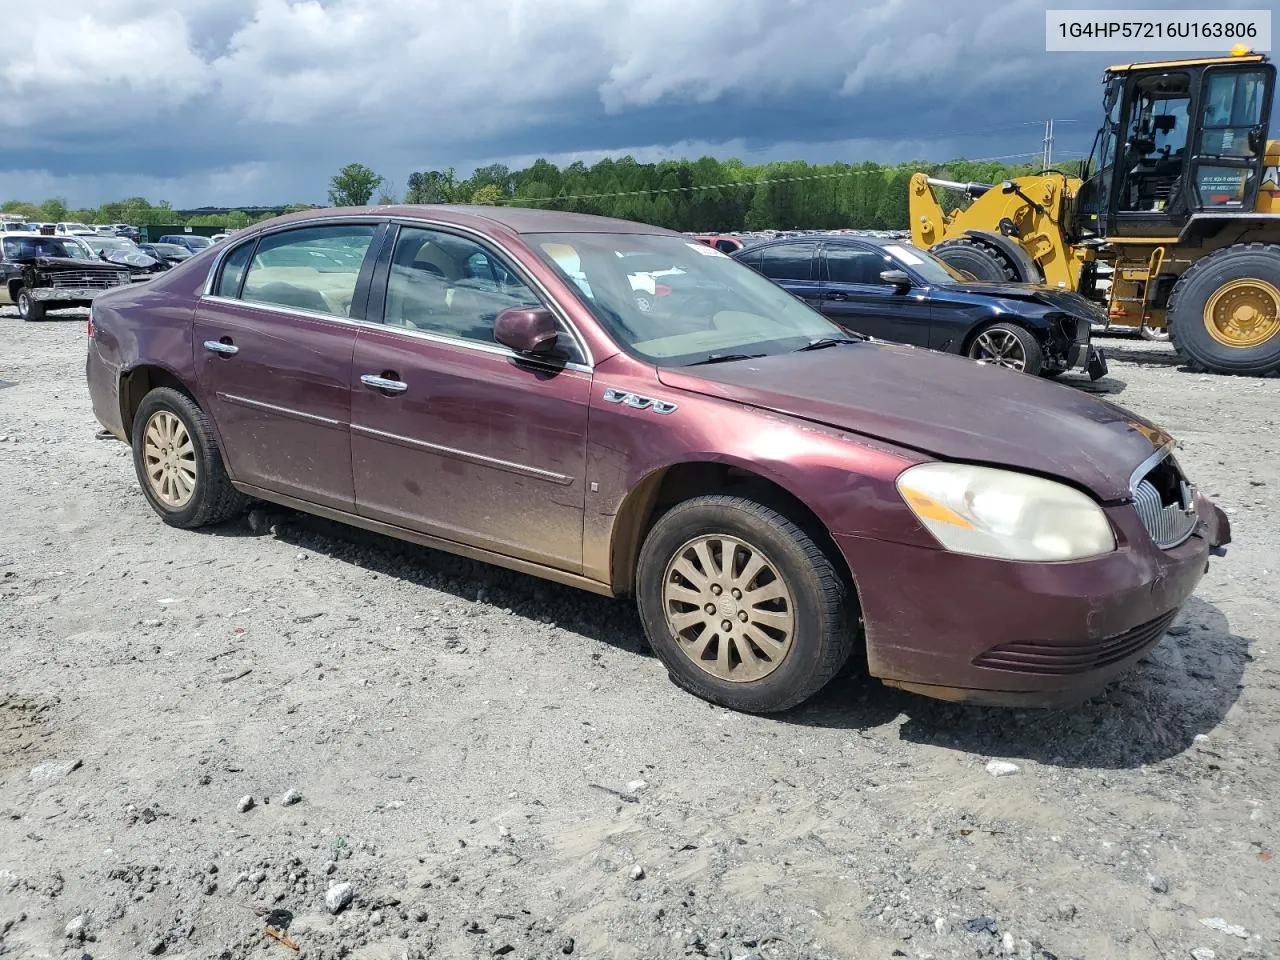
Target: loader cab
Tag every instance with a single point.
(1178, 139)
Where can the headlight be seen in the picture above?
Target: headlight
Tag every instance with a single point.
(1010, 516)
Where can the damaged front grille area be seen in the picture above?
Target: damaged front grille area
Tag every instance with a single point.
(92, 279)
(1065, 659)
(1166, 503)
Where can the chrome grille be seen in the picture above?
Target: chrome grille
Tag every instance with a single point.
(1166, 504)
(89, 278)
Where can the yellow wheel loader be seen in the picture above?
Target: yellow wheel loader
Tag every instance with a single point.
(1173, 224)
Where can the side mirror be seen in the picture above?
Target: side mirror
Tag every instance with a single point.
(527, 330)
(898, 278)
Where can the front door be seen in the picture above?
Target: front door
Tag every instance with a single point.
(855, 297)
(1235, 103)
(454, 435)
(792, 266)
(273, 349)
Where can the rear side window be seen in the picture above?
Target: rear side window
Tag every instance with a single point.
(312, 268)
(788, 261)
(851, 265)
(233, 266)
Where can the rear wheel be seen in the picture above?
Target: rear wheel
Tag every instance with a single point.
(178, 462)
(1224, 312)
(976, 259)
(29, 309)
(1011, 346)
(743, 607)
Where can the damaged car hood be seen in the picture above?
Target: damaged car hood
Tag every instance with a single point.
(55, 264)
(946, 406)
(1065, 300)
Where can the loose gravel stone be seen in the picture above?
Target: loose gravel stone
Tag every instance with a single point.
(338, 897)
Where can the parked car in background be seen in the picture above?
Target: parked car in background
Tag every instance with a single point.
(725, 243)
(169, 253)
(193, 242)
(776, 494)
(42, 273)
(219, 237)
(73, 229)
(126, 253)
(887, 289)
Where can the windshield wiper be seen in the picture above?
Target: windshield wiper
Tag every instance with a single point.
(726, 358)
(823, 342)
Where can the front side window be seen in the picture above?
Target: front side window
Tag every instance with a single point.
(788, 261)
(311, 268)
(704, 306)
(448, 285)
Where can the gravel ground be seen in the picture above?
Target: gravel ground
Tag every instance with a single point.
(498, 767)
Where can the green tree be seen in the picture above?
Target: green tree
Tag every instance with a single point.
(55, 208)
(434, 186)
(353, 186)
(488, 195)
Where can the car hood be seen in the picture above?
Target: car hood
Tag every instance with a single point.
(946, 406)
(1064, 300)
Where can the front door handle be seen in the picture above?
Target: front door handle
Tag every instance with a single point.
(836, 295)
(226, 349)
(377, 382)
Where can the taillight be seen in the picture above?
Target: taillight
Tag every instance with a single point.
(661, 290)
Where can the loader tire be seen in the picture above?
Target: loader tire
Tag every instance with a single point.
(977, 260)
(1224, 312)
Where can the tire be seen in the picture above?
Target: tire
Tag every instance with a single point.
(1011, 346)
(644, 303)
(29, 309)
(817, 604)
(1246, 275)
(976, 259)
(211, 498)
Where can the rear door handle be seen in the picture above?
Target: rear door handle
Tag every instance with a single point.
(226, 349)
(377, 382)
(836, 295)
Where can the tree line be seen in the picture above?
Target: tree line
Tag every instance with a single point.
(706, 194)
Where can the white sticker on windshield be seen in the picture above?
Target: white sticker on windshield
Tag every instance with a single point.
(905, 255)
(706, 251)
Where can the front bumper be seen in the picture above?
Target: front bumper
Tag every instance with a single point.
(66, 293)
(1032, 634)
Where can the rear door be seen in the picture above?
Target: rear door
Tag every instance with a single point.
(855, 297)
(273, 345)
(453, 434)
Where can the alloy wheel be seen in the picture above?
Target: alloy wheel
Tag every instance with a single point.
(169, 459)
(728, 608)
(999, 347)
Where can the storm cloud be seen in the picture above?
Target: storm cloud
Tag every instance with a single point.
(260, 101)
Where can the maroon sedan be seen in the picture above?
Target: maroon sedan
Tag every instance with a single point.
(778, 496)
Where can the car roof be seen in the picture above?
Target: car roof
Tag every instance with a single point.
(515, 219)
(830, 238)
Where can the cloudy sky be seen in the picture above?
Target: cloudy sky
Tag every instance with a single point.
(224, 102)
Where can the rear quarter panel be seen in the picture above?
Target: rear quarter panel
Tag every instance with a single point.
(143, 324)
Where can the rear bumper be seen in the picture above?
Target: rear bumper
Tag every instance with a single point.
(104, 392)
(1005, 633)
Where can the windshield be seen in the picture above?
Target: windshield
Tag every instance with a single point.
(99, 244)
(929, 267)
(676, 302)
(171, 250)
(199, 242)
(16, 248)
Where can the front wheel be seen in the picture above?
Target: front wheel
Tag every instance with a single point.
(742, 606)
(1009, 345)
(28, 308)
(178, 462)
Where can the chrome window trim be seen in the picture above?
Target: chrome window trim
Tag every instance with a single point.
(533, 282)
(1148, 464)
(496, 349)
